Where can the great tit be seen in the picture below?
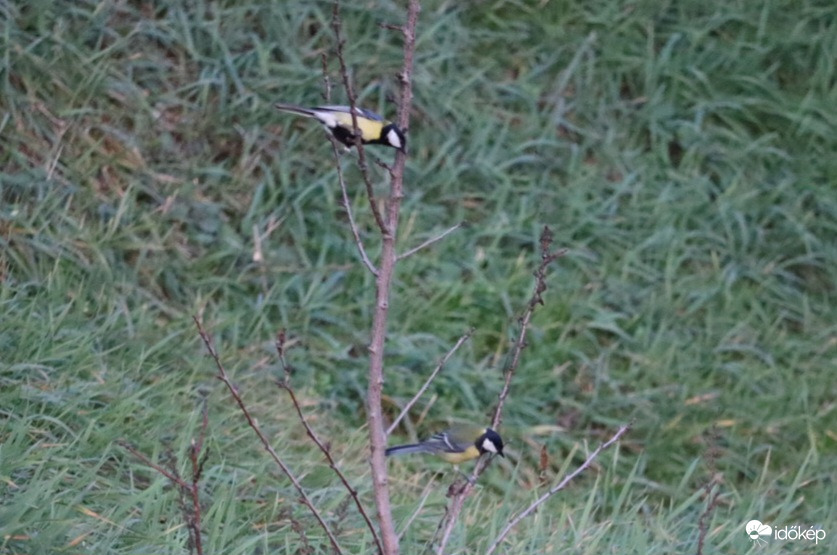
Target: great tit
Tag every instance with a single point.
(456, 445)
(374, 130)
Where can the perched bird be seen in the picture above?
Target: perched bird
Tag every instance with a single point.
(374, 130)
(456, 445)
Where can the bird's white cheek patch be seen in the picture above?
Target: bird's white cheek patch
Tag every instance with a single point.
(489, 446)
(393, 138)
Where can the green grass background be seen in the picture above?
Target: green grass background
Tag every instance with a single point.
(684, 153)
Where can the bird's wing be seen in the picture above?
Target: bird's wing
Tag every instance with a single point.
(445, 442)
(347, 110)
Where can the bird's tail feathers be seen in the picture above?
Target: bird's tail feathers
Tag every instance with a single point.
(407, 449)
(307, 112)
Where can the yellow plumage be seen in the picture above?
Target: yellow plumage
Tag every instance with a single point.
(458, 458)
(372, 128)
(455, 445)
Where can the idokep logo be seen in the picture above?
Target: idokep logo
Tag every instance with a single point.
(760, 533)
(756, 530)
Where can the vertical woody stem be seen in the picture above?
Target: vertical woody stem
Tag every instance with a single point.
(383, 285)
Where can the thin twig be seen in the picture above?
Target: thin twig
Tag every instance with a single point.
(452, 511)
(286, 385)
(337, 26)
(430, 379)
(391, 27)
(429, 242)
(428, 489)
(326, 79)
(547, 257)
(345, 195)
(555, 489)
(224, 377)
(258, 252)
(192, 516)
(198, 457)
(347, 205)
(187, 490)
(384, 166)
(713, 492)
(712, 488)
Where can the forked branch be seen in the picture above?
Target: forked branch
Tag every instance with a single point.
(547, 258)
(337, 26)
(285, 384)
(225, 378)
(458, 501)
(388, 226)
(555, 489)
(189, 499)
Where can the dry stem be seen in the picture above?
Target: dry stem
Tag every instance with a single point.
(337, 26)
(286, 385)
(427, 383)
(348, 206)
(555, 489)
(189, 500)
(388, 226)
(430, 241)
(224, 377)
(547, 257)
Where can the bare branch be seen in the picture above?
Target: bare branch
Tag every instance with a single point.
(430, 241)
(428, 489)
(712, 488)
(383, 285)
(326, 79)
(189, 492)
(337, 25)
(713, 491)
(286, 385)
(555, 489)
(452, 511)
(391, 27)
(224, 377)
(427, 383)
(347, 205)
(547, 257)
(345, 195)
(384, 166)
(173, 478)
(258, 252)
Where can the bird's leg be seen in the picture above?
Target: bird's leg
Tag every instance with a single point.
(468, 478)
(457, 486)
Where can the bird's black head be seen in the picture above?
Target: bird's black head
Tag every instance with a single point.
(392, 136)
(490, 442)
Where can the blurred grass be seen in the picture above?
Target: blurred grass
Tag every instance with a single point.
(683, 152)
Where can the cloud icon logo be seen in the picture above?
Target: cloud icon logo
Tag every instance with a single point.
(755, 529)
